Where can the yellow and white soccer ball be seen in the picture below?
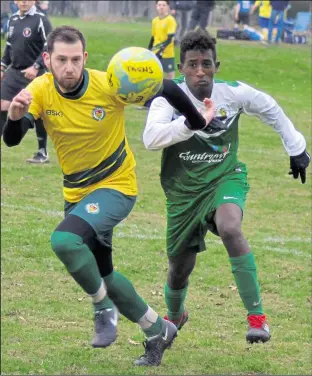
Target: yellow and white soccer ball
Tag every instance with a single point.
(135, 75)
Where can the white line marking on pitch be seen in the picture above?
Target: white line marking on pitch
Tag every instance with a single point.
(288, 240)
(133, 234)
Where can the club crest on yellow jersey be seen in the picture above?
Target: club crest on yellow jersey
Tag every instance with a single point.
(98, 113)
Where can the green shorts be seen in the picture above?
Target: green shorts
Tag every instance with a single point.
(103, 209)
(168, 64)
(189, 220)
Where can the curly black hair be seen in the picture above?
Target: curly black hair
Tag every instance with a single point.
(197, 40)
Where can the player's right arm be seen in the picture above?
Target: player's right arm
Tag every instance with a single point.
(237, 9)
(17, 124)
(151, 42)
(254, 6)
(24, 109)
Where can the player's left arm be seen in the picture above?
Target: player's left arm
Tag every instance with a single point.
(194, 120)
(262, 105)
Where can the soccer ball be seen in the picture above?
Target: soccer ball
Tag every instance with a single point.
(134, 75)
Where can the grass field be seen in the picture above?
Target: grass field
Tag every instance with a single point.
(46, 320)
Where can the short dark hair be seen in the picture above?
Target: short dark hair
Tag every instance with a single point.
(167, 1)
(66, 34)
(198, 40)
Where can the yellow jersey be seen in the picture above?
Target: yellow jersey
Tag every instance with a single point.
(161, 28)
(264, 8)
(88, 133)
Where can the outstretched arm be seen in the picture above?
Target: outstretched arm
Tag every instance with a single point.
(162, 131)
(262, 105)
(181, 102)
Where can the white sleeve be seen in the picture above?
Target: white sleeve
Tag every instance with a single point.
(262, 105)
(160, 130)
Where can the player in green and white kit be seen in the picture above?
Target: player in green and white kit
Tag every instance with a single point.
(205, 184)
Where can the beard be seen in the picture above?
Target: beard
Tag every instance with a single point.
(67, 84)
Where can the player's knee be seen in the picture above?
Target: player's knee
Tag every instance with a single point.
(177, 281)
(179, 273)
(229, 230)
(69, 248)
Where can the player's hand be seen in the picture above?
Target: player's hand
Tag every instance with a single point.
(209, 111)
(30, 73)
(298, 165)
(19, 105)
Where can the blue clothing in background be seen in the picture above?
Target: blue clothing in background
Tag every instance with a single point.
(279, 5)
(244, 6)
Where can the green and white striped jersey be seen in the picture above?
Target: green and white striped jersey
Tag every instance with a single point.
(193, 159)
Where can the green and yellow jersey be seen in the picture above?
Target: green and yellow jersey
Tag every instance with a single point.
(265, 8)
(162, 28)
(88, 133)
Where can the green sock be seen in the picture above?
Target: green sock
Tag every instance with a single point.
(80, 263)
(175, 301)
(105, 303)
(245, 274)
(124, 296)
(155, 329)
(78, 260)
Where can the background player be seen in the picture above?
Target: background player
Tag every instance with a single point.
(162, 41)
(22, 62)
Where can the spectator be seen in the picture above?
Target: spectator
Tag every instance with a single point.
(13, 7)
(242, 10)
(5, 18)
(43, 6)
(200, 14)
(277, 16)
(181, 10)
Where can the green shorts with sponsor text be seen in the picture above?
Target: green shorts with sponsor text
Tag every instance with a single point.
(188, 220)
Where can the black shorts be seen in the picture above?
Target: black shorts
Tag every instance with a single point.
(13, 82)
(243, 18)
(168, 64)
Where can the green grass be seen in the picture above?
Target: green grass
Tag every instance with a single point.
(46, 318)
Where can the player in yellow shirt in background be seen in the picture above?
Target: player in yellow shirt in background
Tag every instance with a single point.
(87, 127)
(265, 10)
(164, 27)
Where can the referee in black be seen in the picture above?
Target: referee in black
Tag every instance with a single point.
(22, 62)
